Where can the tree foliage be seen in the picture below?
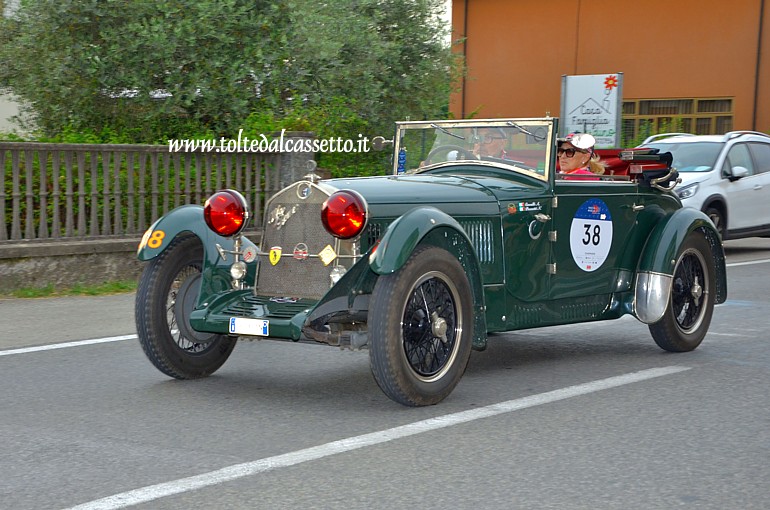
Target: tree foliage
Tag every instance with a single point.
(154, 69)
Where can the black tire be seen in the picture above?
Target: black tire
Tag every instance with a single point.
(167, 292)
(691, 303)
(421, 328)
(718, 219)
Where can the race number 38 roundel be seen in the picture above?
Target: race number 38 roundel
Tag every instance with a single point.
(590, 236)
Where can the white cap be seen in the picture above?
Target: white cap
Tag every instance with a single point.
(582, 141)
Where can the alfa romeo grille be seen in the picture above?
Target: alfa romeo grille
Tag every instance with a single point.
(293, 227)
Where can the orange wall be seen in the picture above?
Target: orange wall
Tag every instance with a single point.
(763, 93)
(517, 51)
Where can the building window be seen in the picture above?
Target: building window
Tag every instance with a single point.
(700, 116)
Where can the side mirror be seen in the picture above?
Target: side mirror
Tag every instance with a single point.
(738, 172)
(379, 143)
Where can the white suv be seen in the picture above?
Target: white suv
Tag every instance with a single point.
(725, 176)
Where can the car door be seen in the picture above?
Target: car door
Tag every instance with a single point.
(743, 193)
(593, 223)
(760, 153)
(525, 225)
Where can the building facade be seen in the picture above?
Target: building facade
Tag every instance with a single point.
(697, 66)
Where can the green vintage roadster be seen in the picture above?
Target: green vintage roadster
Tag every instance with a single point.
(419, 266)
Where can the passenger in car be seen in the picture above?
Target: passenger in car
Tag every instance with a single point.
(577, 157)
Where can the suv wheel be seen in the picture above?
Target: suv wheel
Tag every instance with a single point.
(718, 219)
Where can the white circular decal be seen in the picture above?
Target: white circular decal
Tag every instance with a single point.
(590, 237)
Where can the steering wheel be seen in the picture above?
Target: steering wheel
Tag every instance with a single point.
(466, 154)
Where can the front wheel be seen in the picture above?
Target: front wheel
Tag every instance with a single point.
(717, 218)
(691, 303)
(167, 292)
(421, 328)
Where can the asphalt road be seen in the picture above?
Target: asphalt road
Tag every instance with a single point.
(588, 416)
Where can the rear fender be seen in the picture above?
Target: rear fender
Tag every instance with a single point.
(431, 226)
(656, 266)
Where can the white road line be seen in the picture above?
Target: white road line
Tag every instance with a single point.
(748, 263)
(153, 492)
(727, 334)
(64, 345)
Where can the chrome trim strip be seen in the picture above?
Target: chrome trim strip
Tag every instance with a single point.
(651, 296)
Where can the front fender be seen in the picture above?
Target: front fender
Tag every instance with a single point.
(435, 227)
(187, 218)
(656, 265)
(405, 233)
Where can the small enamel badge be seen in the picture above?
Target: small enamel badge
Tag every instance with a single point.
(327, 255)
(275, 255)
(300, 251)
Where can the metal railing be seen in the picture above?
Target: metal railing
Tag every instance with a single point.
(78, 191)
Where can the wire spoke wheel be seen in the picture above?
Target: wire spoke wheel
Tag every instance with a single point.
(166, 296)
(421, 328)
(687, 295)
(430, 326)
(691, 304)
(182, 293)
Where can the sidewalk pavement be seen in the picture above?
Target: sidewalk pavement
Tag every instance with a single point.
(39, 321)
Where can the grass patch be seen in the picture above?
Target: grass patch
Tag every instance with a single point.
(101, 289)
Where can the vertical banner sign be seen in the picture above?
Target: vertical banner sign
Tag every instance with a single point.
(593, 104)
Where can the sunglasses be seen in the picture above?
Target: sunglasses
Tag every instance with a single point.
(568, 152)
(490, 138)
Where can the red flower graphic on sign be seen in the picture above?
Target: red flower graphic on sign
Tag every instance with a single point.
(610, 82)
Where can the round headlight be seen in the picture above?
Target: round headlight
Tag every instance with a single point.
(226, 212)
(344, 214)
(238, 270)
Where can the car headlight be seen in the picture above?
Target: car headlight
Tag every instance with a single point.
(344, 214)
(238, 270)
(226, 212)
(688, 191)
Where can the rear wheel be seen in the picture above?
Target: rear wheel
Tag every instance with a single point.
(167, 292)
(421, 328)
(691, 303)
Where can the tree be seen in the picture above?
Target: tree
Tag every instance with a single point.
(391, 56)
(156, 69)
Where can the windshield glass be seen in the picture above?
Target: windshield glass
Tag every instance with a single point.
(517, 144)
(691, 157)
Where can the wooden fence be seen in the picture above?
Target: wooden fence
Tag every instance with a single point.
(78, 191)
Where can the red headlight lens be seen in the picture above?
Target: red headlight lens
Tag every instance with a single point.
(226, 212)
(344, 214)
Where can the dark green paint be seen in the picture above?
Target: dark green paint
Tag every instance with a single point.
(513, 287)
(216, 272)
